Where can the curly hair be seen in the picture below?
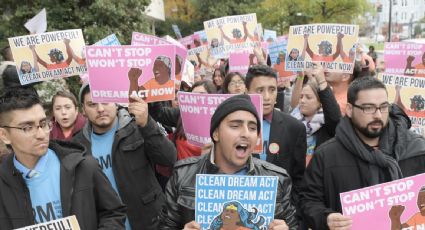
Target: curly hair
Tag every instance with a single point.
(247, 218)
(57, 54)
(327, 47)
(418, 101)
(237, 33)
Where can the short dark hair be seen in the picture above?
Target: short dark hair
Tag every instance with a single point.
(16, 99)
(207, 84)
(229, 78)
(258, 71)
(363, 83)
(5, 53)
(65, 94)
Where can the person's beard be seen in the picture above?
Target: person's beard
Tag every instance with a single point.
(371, 133)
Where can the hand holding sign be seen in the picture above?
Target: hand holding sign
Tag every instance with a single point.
(338, 221)
(278, 225)
(192, 226)
(139, 108)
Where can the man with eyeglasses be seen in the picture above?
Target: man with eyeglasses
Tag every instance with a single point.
(372, 145)
(44, 181)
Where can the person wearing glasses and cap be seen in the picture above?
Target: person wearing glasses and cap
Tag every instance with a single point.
(46, 180)
(372, 145)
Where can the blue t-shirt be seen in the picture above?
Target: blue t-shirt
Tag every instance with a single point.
(101, 147)
(43, 183)
(266, 137)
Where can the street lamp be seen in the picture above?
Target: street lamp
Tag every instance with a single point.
(389, 21)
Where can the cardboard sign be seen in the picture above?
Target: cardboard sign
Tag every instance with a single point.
(383, 205)
(232, 33)
(110, 40)
(331, 45)
(402, 58)
(200, 108)
(231, 199)
(37, 24)
(68, 223)
(408, 93)
(41, 57)
(270, 35)
(119, 71)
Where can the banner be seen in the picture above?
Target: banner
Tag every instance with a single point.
(200, 108)
(399, 204)
(68, 223)
(181, 52)
(41, 57)
(270, 35)
(202, 36)
(189, 41)
(404, 58)
(232, 33)
(408, 93)
(331, 45)
(37, 24)
(237, 202)
(119, 71)
(110, 40)
(240, 61)
(176, 31)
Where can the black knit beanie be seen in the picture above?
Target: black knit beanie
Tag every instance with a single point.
(230, 105)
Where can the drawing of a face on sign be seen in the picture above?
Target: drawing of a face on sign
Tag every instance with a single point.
(235, 217)
(162, 69)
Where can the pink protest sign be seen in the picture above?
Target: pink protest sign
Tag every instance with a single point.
(405, 58)
(181, 52)
(196, 110)
(146, 39)
(115, 72)
(399, 204)
(189, 41)
(239, 61)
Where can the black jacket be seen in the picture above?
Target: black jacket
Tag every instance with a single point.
(85, 192)
(180, 191)
(134, 152)
(290, 135)
(332, 115)
(336, 168)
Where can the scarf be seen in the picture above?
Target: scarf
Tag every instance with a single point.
(384, 157)
(312, 125)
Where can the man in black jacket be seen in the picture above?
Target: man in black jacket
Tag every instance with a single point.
(372, 145)
(235, 127)
(127, 149)
(43, 181)
(284, 137)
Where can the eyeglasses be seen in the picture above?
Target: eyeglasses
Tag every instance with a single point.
(31, 130)
(235, 83)
(371, 109)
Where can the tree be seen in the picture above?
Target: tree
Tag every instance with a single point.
(97, 18)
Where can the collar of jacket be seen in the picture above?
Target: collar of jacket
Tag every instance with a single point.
(212, 168)
(124, 119)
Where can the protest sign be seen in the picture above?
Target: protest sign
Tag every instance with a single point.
(146, 39)
(240, 61)
(408, 93)
(119, 71)
(270, 35)
(202, 36)
(202, 60)
(46, 56)
(67, 223)
(110, 40)
(181, 52)
(37, 24)
(189, 73)
(176, 31)
(277, 54)
(331, 45)
(404, 58)
(200, 108)
(232, 33)
(189, 41)
(382, 206)
(248, 201)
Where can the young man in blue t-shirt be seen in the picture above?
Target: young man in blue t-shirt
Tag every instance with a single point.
(127, 148)
(44, 181)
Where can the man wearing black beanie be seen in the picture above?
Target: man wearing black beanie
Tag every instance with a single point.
(235, 128)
